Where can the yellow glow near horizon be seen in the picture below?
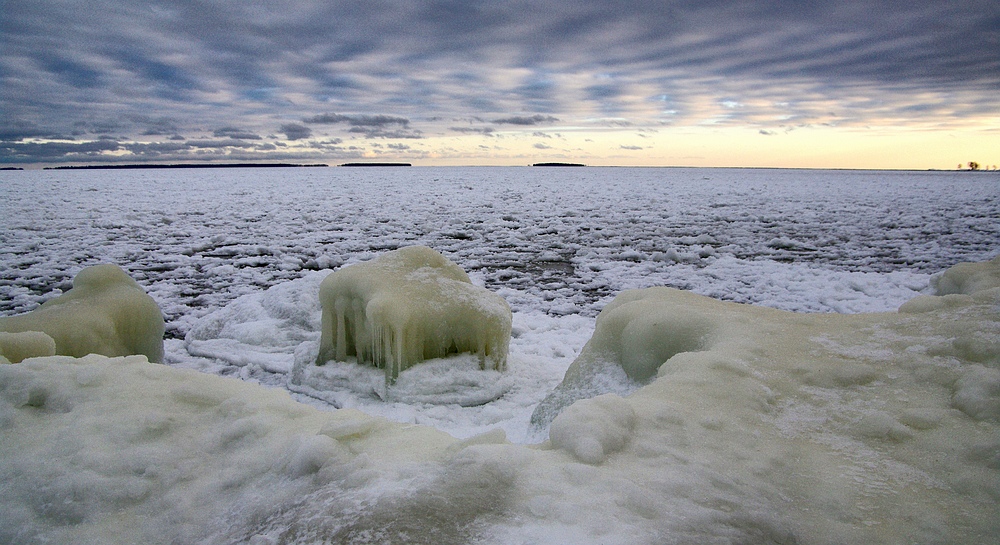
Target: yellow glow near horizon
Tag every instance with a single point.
(719, 146)
(704, 145)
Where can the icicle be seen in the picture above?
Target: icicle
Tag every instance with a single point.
(407, 306)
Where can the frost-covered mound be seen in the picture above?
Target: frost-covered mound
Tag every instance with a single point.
(826, 429)
(262, 330)
(968, 278)
(106, 312)
(635, 334)
(408, 306)
(274, 337)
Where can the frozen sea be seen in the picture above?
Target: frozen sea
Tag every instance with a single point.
(234, 258)
(556, 243)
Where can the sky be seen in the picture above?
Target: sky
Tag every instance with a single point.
(910, 84)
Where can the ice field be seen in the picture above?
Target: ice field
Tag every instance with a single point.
(814, 414)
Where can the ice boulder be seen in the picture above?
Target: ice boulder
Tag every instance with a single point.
(408, 306)
(634, 335)
(968, 278)
(106, 312)
(16, 347)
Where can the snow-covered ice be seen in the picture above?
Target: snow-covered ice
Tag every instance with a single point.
(408, 306)
(106, 312)
(808, 427)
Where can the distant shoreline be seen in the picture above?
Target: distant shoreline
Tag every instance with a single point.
(182, 165)
(151, 166)
(376, 165)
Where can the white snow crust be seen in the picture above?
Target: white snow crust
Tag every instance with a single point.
(770, 426)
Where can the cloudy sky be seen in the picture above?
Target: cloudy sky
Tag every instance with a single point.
(852, 83)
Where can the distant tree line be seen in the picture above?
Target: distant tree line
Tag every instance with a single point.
(973, 165)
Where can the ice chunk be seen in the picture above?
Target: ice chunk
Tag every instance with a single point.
(968, 278)
(106, 312)
(16, 347)
(635, 334)
(407, 306)
(262, 329)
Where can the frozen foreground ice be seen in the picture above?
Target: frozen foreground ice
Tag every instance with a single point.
(773, 427)
(776, 427)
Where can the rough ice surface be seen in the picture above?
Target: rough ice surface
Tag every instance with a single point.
(559, 243)
(408, 306)
(106, 312)
(867, 428)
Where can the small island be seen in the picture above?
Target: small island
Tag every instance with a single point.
(376, 165)
(558, 165)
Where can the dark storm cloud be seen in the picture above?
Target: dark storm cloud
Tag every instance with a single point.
(485, 131)
(359, 120)
(155, 126)
(371, 126)
(294, 131)
(32, 152)
(236, 133)
(17, 131)
(536, 119)
(134, 70)
(376, 132)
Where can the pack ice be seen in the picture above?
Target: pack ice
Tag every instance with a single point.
(745, 425)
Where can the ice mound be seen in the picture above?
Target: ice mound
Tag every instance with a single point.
(106, 312)
(16, 347)
(408, 306)
(121, 451)
(635, 334)
(273, 337)
(968, 278)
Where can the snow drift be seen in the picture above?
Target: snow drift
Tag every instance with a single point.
(106, 312)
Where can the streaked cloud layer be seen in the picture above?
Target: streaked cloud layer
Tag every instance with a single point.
(499, 82)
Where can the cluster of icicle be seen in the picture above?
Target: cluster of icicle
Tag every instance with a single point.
(409, 306)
